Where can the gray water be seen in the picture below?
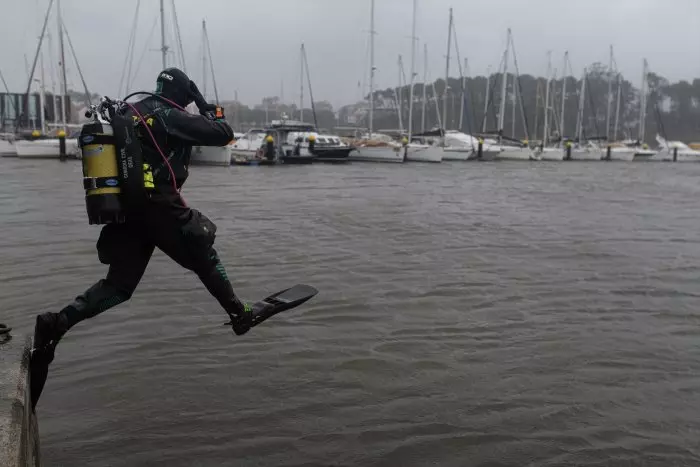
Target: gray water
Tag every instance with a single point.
(494, 314)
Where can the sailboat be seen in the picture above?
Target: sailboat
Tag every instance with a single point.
(50, 147)
(546, 152)
(617, 151)
(509, 152)
(208, 155)
(374, 147)
(417, 152)
(676, 151)
(642, 151)
(583, 150)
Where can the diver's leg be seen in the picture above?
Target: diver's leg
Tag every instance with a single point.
(190, 245)
(127, 255)
(127, 252)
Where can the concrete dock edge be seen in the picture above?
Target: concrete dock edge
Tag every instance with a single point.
(19, 429)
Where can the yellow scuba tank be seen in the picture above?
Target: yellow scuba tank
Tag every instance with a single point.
(101, 173)
(113, 170)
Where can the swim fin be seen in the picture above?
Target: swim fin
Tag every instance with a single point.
(276, 303)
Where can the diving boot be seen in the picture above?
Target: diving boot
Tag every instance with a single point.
(242, 321)
(48, 330)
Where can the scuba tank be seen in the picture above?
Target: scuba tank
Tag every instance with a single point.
(113, 167)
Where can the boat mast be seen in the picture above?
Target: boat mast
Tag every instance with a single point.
(308, 80)
(179, 42)
(425, 84)
(515, 103)
(163, 47)
(447, 72)
(54, 80)
(437, 105)
(502, 112)
(42, 96)
(204, 60)
(371, 69)
(617, 109)
(464, 90)
(643, 104)
(581, 105)
(211, 62)
(38, 49)
(301, 85)
(563, 97)
(64, 87)
(413, 70)
(399, 95)
(545, 136)
(486, 99)
(607, 119)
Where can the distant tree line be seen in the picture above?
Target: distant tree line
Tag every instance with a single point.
(673, 109)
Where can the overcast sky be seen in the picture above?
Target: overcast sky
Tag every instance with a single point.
(255, 43)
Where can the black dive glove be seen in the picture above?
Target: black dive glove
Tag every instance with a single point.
(211, 111)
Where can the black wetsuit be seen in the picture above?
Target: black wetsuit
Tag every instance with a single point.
(164, 221)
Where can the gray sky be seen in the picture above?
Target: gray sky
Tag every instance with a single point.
(255, 43)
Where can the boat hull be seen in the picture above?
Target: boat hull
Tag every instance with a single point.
(335, 155)
(644, 156)
(552, 155)
(621, 154)
(7, 148)
(424, 154)
(586, 155)
(516, 154)
(456, 154)
(377, 154)
(211, 155)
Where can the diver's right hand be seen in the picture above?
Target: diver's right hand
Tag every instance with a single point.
(212, 111)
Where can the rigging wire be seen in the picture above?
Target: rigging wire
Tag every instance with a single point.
(462, 83)
(77, 65)
(179, 38)
(145, 49)
(211, 66)
(128, 59)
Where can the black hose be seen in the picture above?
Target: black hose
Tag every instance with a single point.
(4, 329)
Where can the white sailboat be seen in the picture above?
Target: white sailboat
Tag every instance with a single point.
(247, 145)
(676, 151)
(642, 151)
(374, 147)
(417, 152)
(207, 155)
(582, 150)
(508, 152)
(49, 148)
(615, 151)
(546, 152)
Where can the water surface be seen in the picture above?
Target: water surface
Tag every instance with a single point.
(493, 314)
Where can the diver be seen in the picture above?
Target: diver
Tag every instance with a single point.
(163, 221)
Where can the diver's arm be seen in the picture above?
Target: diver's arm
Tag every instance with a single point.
(197, 129)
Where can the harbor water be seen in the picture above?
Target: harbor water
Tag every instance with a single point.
(469, 314)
